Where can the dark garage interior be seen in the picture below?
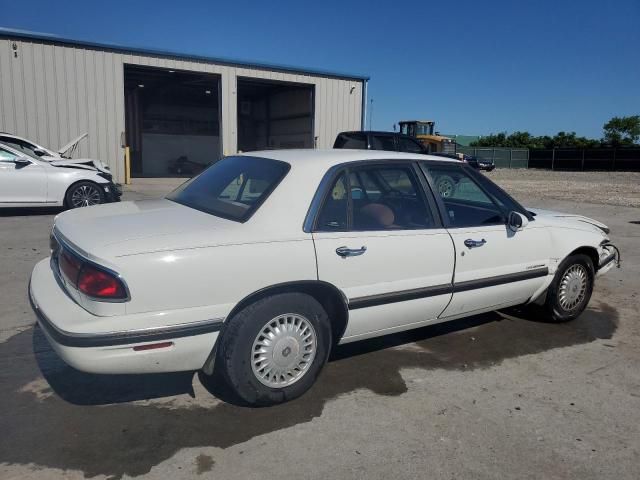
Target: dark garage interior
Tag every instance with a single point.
(172, 121)
(274, 115)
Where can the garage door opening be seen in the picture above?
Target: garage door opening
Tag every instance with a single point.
(274, 115)
(172, 121)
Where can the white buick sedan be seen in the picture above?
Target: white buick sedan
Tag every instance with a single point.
(258, 266)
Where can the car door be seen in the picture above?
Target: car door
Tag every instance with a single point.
(21, 181)
(378, 238)
(495, 266)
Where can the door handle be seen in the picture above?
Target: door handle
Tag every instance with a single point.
(350, 252)
(470, 243)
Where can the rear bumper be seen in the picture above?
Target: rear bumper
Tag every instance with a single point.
(187, 346)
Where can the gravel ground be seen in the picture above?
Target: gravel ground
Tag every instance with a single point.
(604, 188)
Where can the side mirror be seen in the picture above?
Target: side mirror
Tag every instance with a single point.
(21, 161)
(517, 221)
(39, 152)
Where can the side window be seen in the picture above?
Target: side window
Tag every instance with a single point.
(333, 215)
(466, 204)
(378, 198)
(355, 141)
(383, 142)
(500, 196)
(411, 146)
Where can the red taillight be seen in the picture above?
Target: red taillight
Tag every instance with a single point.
(70, 266)
(100, 284)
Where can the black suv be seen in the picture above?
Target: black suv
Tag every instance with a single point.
(395, 142)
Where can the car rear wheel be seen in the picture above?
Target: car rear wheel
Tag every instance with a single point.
(84, 194)
(273, 350)
(571, 289)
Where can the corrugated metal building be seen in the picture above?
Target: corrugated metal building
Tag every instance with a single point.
(175, 112)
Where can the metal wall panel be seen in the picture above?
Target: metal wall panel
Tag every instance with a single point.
(51, 93)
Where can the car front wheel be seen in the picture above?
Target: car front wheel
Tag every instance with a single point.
(273, 350)
(84, 194)
(571, 289)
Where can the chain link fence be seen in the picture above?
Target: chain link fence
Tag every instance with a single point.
(583, 159)
(624, 159)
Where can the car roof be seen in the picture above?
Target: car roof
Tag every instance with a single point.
(11, 135)
(327, 158)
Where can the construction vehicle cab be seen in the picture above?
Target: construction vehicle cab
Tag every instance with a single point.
(423, 130)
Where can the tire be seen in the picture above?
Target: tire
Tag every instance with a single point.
(245, 334)
(84, 194)
(445, 186)
(571, 289)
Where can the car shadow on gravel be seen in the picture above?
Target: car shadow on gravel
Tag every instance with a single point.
(76, 421)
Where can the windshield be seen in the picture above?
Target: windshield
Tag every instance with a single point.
(424, 129)
(22, 146)
(232, 188)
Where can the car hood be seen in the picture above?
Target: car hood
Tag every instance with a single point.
(71, 145)
(575, 221)
(110, 231)
(80, 163)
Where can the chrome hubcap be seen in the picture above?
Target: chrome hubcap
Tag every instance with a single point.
(84, 196)
(284, 350)
(445, 187)
(573, 287)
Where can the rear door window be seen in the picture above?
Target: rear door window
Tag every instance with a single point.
(376, 198)
(333, 215)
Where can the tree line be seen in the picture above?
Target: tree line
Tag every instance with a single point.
(617, 132)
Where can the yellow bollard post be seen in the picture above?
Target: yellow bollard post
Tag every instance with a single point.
(127, 166)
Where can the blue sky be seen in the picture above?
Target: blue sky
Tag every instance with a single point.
(474, 67)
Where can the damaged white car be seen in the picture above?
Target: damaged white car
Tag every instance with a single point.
(259, 266)
(31, 176)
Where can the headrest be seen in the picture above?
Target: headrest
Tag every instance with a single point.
(378, 213)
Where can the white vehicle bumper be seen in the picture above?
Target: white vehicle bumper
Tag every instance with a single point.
(609, 257)
(183, 347)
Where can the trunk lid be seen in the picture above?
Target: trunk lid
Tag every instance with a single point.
(106, 232)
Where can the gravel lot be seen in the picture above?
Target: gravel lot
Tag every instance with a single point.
(607, 188)
(493, 396)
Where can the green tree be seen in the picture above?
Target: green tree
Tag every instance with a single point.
(526, 140)
(622, 130)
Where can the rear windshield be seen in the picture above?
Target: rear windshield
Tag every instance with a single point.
(232, 188)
